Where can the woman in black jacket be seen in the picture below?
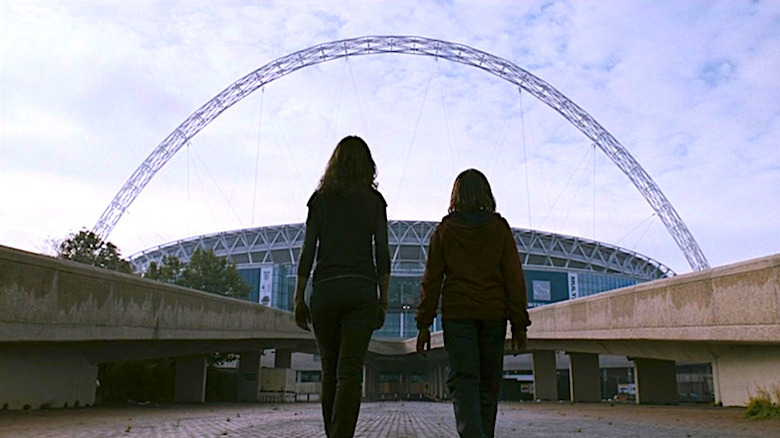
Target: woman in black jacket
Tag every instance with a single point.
(347, 218)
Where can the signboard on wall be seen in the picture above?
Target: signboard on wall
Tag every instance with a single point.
(574, 286)
(541, 290)
(266, 285)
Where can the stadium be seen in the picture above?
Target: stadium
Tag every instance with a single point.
(557, 268)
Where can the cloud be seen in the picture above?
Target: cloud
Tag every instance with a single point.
(89, 89)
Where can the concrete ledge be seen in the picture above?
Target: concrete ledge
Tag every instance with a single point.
(52, 300)
(738, 303)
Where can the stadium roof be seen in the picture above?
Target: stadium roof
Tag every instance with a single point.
(408, 240)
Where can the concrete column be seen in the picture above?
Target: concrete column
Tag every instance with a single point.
(433, 377)
(545, 375)
(364, 387)
(190, 385)
(370, 382)
(656, 381)
(584, 377)
(438, 382)
(249, 376)
(283, 358)
(39, 377)
(441, 382)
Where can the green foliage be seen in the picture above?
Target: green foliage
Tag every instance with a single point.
(153, 380)
(205, 272)
(88, 248)
(764, 405)
(218, 359)
(169, 271)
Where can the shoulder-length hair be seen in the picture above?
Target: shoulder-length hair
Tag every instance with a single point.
(350, 168)
(471, 192)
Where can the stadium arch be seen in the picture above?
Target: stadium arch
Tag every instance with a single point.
(412, 45)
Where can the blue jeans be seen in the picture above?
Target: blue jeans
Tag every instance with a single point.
(475, 350)
(344, 313)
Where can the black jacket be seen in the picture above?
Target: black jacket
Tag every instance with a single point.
(342, 229)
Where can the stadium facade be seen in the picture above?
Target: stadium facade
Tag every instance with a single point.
(557, 268)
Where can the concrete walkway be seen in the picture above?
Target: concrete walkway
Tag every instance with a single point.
(384, 419)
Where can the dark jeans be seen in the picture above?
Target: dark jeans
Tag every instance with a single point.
(344, 313)
(475, 350)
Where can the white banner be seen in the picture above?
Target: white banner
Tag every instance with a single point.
(574, 286)
(541, 290)
(266, 285)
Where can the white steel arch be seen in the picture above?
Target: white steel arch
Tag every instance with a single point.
(374, 45)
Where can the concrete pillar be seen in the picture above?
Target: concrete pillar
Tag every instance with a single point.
(249, 376)
(741, 371)
(656, 381)
(364, 388)
(370, 382)
(190, 385)
(283, 358)
(444, 391)
(40, 377)
(433, 377)
(584, 377)
(437, 385)
(545, 375)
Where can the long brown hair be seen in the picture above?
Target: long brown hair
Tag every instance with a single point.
(350, 168)
(471, 192)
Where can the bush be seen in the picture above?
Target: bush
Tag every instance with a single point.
(764, 405)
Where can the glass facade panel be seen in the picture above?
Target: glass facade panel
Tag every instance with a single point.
(392, 327)
(591, 283)
(543, 286)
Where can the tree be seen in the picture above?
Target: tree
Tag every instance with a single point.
(169, 270)
(153, 379)
(205, 271)
(89, 248)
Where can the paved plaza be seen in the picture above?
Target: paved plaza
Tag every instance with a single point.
(384, 419)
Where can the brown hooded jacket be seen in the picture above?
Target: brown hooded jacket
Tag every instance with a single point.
(474, 265)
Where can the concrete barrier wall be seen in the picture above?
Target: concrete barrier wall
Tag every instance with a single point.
(728, 316)
(734, 304)
(43, 299)
(58, 319)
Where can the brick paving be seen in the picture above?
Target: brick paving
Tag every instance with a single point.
(384, 419)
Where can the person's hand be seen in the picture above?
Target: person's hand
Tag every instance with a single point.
(302, 315)
(424, 341)
(519, 338)
(382, 314)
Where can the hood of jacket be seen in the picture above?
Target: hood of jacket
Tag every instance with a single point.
(473, 230)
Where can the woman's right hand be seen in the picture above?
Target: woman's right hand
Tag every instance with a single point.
(302, 315)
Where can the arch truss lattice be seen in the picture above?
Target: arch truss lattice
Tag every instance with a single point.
(411, 45)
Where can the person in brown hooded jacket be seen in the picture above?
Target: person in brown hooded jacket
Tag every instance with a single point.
(473, 264)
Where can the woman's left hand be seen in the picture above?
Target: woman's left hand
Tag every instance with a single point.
(382, 314)
(519, 338)
(302, 315)
(424, 341)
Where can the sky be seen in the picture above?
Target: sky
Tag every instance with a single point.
(88, 89)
